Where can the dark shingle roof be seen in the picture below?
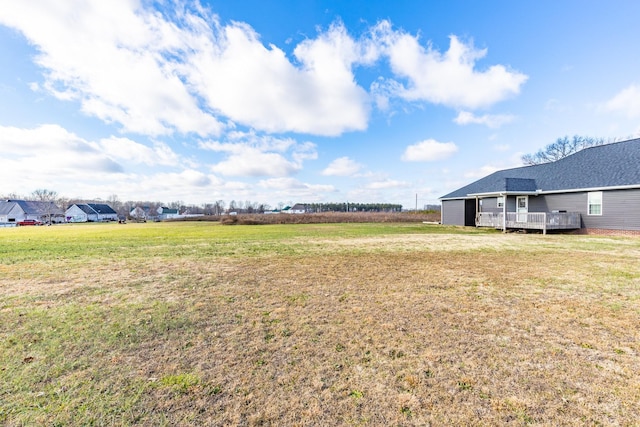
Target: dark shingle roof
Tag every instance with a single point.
(85, 208)
(101, 208)
(168, 211)
(610, 165)
(31, 207)
(6, 206)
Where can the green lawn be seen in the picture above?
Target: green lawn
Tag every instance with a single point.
(336, 324)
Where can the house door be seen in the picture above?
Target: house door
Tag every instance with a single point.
(522, 208)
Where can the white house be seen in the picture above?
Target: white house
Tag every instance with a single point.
(166, 213)
(298, 208)
(90, 212)
(14, 211)
(79, 212)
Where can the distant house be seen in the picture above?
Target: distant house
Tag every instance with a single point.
(596, 190)
(14, 211)
(298, 208)
(141, 213)
(105, 212)
(167, 213)
(90, 212)
(79, 212)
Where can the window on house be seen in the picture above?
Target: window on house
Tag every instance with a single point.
(594, 203)
(501, 201)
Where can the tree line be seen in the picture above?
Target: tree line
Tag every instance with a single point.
(218, 207)
(351, 207)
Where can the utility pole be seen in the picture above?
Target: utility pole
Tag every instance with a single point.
(416, 202)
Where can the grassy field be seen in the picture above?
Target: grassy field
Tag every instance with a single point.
(318, 324)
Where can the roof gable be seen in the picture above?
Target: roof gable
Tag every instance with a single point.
(84, 208)
(610, 165)
(6, 206)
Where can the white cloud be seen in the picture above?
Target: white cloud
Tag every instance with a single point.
(342, 166)
(428, 151)
(126, 149)
(492, 121)
(481, 172)
(288, 188)
(251, 155)
(448, 78)
(117, 59)
(158, 69)
(252, 162)
(626, 102)
(260, 87)
(52, 157)
(502, 147)
(50, 149)
(386, 184)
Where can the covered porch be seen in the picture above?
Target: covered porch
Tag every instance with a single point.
(529, 221)
(506, 210)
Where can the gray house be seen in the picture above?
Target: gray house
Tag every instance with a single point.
(596, 190)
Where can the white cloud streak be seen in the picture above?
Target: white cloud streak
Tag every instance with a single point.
(387, 184)
(428, 151)
(250, 155)
(55, 155)
(492, 121)
(342, 166)
(626, 102)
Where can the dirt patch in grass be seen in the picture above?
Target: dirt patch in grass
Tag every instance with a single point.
(386, 330)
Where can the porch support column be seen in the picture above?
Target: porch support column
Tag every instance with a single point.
(504, 214)
(477, 212)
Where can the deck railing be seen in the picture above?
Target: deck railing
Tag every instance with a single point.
(532, 220)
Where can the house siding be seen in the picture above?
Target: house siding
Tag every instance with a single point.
(620, 208)
(453, 212)
(620, 211)
(490, 204)
(75, 214)
(16, 214)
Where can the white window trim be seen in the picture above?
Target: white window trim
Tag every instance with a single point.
(597, 195)
(500, 201)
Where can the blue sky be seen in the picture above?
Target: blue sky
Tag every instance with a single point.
(302, 101)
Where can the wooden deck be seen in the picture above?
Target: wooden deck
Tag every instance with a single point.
(530, 221)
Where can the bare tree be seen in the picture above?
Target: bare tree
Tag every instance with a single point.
(12, 196)
(49, 198)
(562, 148)
(218, 207)
(115, 203)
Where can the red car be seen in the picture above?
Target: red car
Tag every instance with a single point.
(29, 222)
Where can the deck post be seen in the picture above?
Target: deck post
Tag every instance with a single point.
(504, 214)
(544, 226)
(477, 212)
